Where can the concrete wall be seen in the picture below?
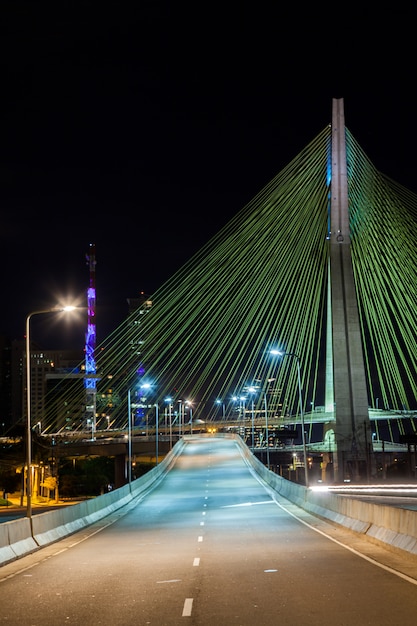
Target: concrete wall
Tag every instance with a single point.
(391, 526)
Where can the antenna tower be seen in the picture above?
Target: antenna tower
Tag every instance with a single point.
(90, 379)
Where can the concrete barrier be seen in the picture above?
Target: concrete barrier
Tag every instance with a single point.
(20, 537)
(394, 527)
(6, 552)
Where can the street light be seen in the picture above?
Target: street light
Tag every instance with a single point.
(169, 400)
(29, 407)
(190, 410)
(129, 439)
(180, 418)
(149, 386)
(157, 435)
(252, 390)
(143, 388)
(242, 407)
(297, 358)
(223, 408)
(267, 430)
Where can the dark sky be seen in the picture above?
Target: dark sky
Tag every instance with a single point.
(143, 127)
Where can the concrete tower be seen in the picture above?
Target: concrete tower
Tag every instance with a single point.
(352, 433)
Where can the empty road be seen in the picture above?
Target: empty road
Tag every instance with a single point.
(210, 545)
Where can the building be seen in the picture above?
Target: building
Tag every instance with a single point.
(46, 365)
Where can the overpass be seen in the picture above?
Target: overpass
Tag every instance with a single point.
(283, 433)
(284, 445)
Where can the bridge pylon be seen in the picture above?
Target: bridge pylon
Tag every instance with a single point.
(346, 382)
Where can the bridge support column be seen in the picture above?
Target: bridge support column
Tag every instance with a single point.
(120, 470)
(352, 430)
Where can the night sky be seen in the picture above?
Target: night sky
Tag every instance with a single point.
(143, 127)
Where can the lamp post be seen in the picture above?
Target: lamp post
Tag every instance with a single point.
(180, 417)
(252, 390)
(253, 427)
(242, 407)
(144, 387)
(297, 358)
(267, 430)
(129, 439)
(29, 404)
(169, 400)
(157, 435)
(223, 408)
(190, 411)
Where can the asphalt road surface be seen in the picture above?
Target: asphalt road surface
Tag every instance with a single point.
(210, 545)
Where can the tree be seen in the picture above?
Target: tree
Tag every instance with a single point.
(9, 481)
(51, 484)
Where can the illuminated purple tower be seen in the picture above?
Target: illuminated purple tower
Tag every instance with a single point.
(90, 379)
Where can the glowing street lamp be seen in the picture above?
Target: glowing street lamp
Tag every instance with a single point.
(157, 433)
(242, 407)
(180, 417)
(223, 408)
(297, 358)
(190, 409)
(252, 391)
(129, 439)
(29, 404)
(267, 430)
(169, 400)
(146, 386)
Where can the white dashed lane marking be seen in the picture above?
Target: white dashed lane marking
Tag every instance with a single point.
(188, 607)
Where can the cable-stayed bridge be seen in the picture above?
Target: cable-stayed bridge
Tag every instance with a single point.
(320, 266)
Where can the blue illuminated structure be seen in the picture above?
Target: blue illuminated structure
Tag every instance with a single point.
(140, 407)
(90, 379)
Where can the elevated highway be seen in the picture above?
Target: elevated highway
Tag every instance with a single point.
(283, 444)
(144, 441)
(230, 424)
